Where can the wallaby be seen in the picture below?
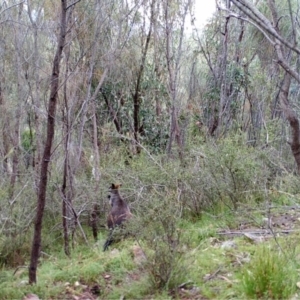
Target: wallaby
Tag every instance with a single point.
(119, 212)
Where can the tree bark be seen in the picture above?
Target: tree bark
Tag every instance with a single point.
(222, 77)
(66, 189)
(4, 132)
(36, 244)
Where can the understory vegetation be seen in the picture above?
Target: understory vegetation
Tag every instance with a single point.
(223, 223)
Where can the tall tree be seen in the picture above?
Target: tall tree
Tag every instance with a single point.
(54, 87)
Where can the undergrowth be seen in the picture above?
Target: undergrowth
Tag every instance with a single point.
(178, 244)
(205, 264)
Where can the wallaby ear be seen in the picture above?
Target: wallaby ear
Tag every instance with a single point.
(115, 186)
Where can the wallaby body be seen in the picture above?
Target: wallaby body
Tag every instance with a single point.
(119, 212)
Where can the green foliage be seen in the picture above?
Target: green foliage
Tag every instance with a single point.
(234, 172)
(269, 275)
(224, 172)
(138, 289)
(27, 140)
(288, 183)
(198, 255)
(158, 232)
(153, 117)
(155, 131)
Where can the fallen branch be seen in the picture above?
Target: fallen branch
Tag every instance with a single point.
(19, 267)
(261, 232)
(209, 277)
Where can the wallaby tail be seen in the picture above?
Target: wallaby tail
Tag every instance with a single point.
(94, 225)
(109, 240)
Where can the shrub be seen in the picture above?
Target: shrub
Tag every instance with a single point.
(157, 231)
(233, 172)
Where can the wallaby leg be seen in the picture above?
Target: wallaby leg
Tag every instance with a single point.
(109, 240)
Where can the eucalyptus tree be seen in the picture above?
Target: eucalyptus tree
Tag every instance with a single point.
(127, 90)
(277, 23)
(34, 79)
(175, 15)
(25, 52)
(36, 243)
(222, 49)
(144, 92)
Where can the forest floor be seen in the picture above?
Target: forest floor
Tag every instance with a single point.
(215, 260)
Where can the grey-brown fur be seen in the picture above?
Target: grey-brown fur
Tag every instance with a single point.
(119, 212)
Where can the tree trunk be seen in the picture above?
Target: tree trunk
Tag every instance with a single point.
(66, 197)
(284, 91)
(292, 118)
(36, 244)
(223, 85)
(4, 133)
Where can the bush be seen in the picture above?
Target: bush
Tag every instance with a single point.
(16, 217)
(230, 172)
(157, 232)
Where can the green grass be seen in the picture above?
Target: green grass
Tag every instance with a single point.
(246, 270)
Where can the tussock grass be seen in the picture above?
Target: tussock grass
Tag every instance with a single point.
(269, 275)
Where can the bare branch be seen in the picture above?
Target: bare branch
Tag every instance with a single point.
(72, 4)
(1, 12)
(281, 60)
(234, 15)
(253, 13)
